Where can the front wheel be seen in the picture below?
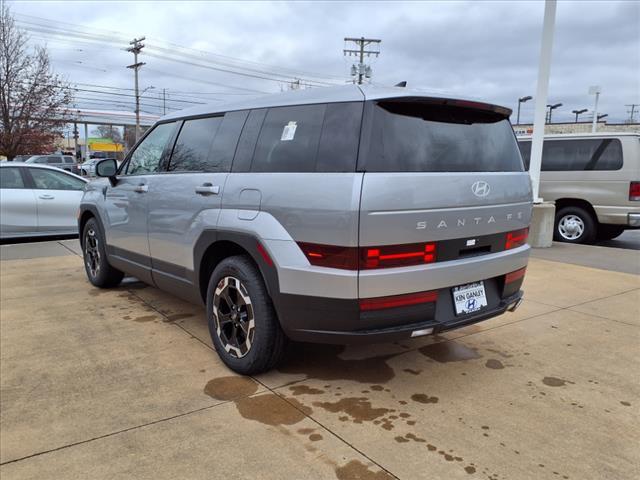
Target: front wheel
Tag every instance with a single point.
(242, 322)
(99, 272)
(574, 225)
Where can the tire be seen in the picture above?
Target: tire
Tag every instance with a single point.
(96, 265)
(574, 225)
(609, 232)
(242, 322)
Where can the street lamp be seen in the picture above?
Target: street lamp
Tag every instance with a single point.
(522, 100)
(578, 112)
(552, 108)
(604, 115)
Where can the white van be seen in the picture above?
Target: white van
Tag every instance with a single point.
(594, 180)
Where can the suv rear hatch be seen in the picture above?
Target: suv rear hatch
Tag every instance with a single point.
(440, 172)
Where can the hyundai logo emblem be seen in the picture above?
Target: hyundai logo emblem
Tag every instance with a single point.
(480, 188)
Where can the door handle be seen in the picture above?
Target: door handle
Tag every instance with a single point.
(141, 188)
(46, 197)
(208, 189)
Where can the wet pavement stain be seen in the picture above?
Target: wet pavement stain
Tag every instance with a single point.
(400, 439)
(412, 372)
(502, 354)
(358, 408)
(423, 398)
(305, 390)
(273, 410)
(315, 437)
(494, 364)
(554, 382)
(230, 388)
(469, 469)
(323, 362)
(626, 404)
(145, 318)
(306, 431)
(356, 470)
(451, 351)
(377, 388)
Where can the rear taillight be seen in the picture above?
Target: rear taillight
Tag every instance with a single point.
(517, 238)
(397, 255)
(381, 303)
(634, 191)
(365, 258)
(516, 275)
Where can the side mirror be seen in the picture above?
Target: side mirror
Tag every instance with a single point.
(107, 168)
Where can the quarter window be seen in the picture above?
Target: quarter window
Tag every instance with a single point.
(10, 178)
(146, 157)
(191, 151)
(289, 139)
(53, 180)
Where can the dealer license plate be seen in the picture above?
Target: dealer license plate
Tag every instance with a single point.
(469, 298)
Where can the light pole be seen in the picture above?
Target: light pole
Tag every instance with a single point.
(552, 108)
(520, 101)
(578, 112)
(595, 90)
(604, 115)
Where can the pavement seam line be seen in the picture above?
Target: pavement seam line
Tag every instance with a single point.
(75, 253)
(106, 435)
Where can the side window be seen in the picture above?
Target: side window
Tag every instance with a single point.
(338, 151)
(41, 160)
(10, 178)
(226, 141)
(289, 139)
(52, 180)
(581, 155)
(54, 160)
(146, 157)
(68, 160)
(525, 151)
(191, 151)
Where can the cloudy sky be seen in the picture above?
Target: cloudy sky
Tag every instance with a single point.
(487, 50)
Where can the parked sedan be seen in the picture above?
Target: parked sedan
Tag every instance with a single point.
(64, 162)
(38, 200)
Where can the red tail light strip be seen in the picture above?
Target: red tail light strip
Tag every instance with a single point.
(517, 238)
(381, 303)
(634, 191)
(516, 275)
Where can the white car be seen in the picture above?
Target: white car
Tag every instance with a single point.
(37, 200)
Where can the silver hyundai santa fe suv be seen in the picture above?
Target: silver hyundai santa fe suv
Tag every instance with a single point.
(335, 215)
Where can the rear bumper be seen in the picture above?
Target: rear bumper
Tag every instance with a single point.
(340, 321)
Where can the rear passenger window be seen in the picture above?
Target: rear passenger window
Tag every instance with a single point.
(53, 160)
(289, 139)
(226, 141)
(191, 151)
(577, 155)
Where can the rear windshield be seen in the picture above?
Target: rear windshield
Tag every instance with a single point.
(424, 137)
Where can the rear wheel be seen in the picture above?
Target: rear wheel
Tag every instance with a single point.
(574, 225)
(99, 272)
(243, 324)
(609, 232)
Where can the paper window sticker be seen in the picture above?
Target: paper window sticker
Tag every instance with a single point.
(289, 131)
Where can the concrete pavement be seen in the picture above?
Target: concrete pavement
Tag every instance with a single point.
(123, 383)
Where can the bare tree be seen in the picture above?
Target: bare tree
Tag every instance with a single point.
(33, 100)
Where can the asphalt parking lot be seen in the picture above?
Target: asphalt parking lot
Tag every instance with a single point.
(124, 384)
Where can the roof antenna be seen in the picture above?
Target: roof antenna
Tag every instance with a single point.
(401, 84)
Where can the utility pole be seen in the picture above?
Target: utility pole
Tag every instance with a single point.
(632, 111)
(361, 70)
(164, 101)
(136, 48)
(595, 90)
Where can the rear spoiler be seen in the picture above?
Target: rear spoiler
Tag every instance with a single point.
(487, 107)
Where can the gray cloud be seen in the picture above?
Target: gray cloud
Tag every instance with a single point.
(487, 50)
